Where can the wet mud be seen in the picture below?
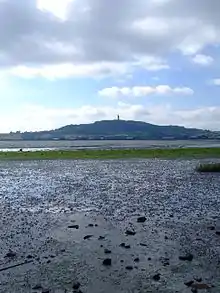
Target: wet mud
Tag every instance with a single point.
(109, 226)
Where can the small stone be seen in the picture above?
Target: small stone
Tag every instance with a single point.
(136, 259)
(166, 238)
(141, 219)
(107, 251)
(49, 261)
(76, 285)
(194, 290)
(121, 260)
(96, 225)
(143, 244)
(87, 237)
(188, 257)
(156, 277)
(217, 233)
(29, 256)
(101, 237)
(90, 225)
(122, 244)
(211, 228)
(149, 258)
(171, 216)
(189, 284)
(107, 262)
(73, 227)
(130, 233)
(10, 254)
(46, 291)
(129, 268)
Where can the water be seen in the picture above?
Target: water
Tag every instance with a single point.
(106, 144)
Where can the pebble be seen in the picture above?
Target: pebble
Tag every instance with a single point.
(129, 268)
(136, 259)
(107, 262)
(141, 219)
(73, 227)
(125, 246)
(37, 287)
(10, 254)
(198, 279)
(156, 277)
(90, 225)
(217, 233)
(87, 237)
(107, 251)
(101, 237)
(130, 233)
(211, 228)
(188, 257)
(143, 244)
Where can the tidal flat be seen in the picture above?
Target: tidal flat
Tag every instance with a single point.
(61, 219)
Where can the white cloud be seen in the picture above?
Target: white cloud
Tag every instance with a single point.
(215, 81)
(35, 117)
(141, 91)
(93, 33)
(203, 60)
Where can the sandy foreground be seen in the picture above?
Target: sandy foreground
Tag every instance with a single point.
(61, 219)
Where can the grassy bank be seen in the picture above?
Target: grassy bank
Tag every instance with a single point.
(114, 154)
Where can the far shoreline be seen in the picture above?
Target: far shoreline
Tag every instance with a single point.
(149, 153)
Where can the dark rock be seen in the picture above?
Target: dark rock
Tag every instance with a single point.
(73, 227)
(136, 259)
(46, 291)
(87, 237)
(189, 284)
(211, 228)
(194, 290)
(141, 219)
(171, 216)
(198, 279)
(96, 225)
(91, 225)
(129, 268)
(76, 285)
(101, 245)
(143, 244)
(149, 258)
(156, 277)
(101, 237)
(130, 233)
(188, 257)
(166, 238)
(166, 263)
(121, 260)
(10, 254)
(217, 233)
(107, 262)
(29, 256)
(63, 250)
(107, 251)
(49, 261)
(125, 246)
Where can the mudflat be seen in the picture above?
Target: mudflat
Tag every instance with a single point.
(140, 225)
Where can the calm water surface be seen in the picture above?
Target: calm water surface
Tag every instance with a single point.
(108, 144)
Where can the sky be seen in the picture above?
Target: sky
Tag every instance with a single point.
(78, 61)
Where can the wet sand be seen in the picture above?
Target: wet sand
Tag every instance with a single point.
(48, 207)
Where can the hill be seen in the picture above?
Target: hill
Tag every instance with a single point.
(119, 129)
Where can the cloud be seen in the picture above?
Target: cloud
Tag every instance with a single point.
(215, 81)
(36, 117)
(141, 91)
(203, 60)
(93, 33)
